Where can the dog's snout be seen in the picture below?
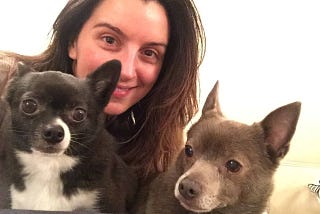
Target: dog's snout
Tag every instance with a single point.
(189, 189)
(53, 134)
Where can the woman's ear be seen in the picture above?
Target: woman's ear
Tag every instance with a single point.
(72, 50)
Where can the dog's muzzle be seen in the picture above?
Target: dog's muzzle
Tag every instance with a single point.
(53, 133)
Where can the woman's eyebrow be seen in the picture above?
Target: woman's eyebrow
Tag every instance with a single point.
(157, 44)
(107, 25)
(118, 31)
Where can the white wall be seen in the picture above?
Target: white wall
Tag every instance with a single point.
(265, 54)
(26, 25)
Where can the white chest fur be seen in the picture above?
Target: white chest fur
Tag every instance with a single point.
(44, 188)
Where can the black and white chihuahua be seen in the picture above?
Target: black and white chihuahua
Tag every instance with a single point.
(59, 156)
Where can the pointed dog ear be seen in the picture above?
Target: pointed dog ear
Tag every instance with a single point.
(22, 69)
(104, 80)
(279, 127)
(212, 105)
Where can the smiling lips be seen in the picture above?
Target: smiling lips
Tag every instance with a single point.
(120, 91)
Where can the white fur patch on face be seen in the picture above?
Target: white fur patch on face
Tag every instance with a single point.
(67, 135)
(40, 145)
(44, 188)
(207, 176)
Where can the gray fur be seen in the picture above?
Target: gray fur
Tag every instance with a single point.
(210, 181)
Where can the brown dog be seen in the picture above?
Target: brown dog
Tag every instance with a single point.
(226, 167)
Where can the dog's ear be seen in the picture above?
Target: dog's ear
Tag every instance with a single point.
(279, 127)
(22, 69)
(104, 80)
(212, 106)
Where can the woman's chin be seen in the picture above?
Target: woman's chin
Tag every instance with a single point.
(115, 109)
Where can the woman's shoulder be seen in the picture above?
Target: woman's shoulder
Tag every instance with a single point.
(8, 64)
(8, 58)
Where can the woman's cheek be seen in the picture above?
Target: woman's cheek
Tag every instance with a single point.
(151, 78)
(88, 65)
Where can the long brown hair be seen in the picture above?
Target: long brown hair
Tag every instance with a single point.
(172, 102)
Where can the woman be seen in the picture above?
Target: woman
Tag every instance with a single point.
(160, 44)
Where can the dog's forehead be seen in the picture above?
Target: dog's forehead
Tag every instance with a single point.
(49, 77)
(52, 81)
(53, 85)
(216, 128)
(227, 140)
(224, 135)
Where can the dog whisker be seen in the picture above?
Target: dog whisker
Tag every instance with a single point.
(74, 151)
(17, 131)
(23, 132)
(80, 144)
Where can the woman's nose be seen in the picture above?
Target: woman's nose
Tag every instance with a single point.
(128, 70)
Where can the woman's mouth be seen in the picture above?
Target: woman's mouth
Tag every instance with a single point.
(121, 92)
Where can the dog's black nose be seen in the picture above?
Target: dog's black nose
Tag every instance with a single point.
(53, 134)
(189, 189)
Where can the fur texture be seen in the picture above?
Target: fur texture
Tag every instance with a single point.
(226, 166)
(58, 155)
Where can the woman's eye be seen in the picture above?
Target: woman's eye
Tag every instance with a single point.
(150, 56)
(29, 106)
(110, 40)
(149, 53)
(233, 166)
(79, 114)
(188, 150)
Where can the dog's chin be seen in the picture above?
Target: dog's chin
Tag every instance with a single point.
(197, 206)
(49, 150)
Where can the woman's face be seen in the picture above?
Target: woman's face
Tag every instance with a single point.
(135, 32)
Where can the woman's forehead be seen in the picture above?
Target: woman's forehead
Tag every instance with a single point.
(146, 19)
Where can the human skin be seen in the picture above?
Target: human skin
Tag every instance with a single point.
(135, 32)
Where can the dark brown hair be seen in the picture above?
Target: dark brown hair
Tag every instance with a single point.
(165, 111)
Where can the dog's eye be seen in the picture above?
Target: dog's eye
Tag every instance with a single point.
(79, 114)
(188, 150)
(233, 166)
(29, 106)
